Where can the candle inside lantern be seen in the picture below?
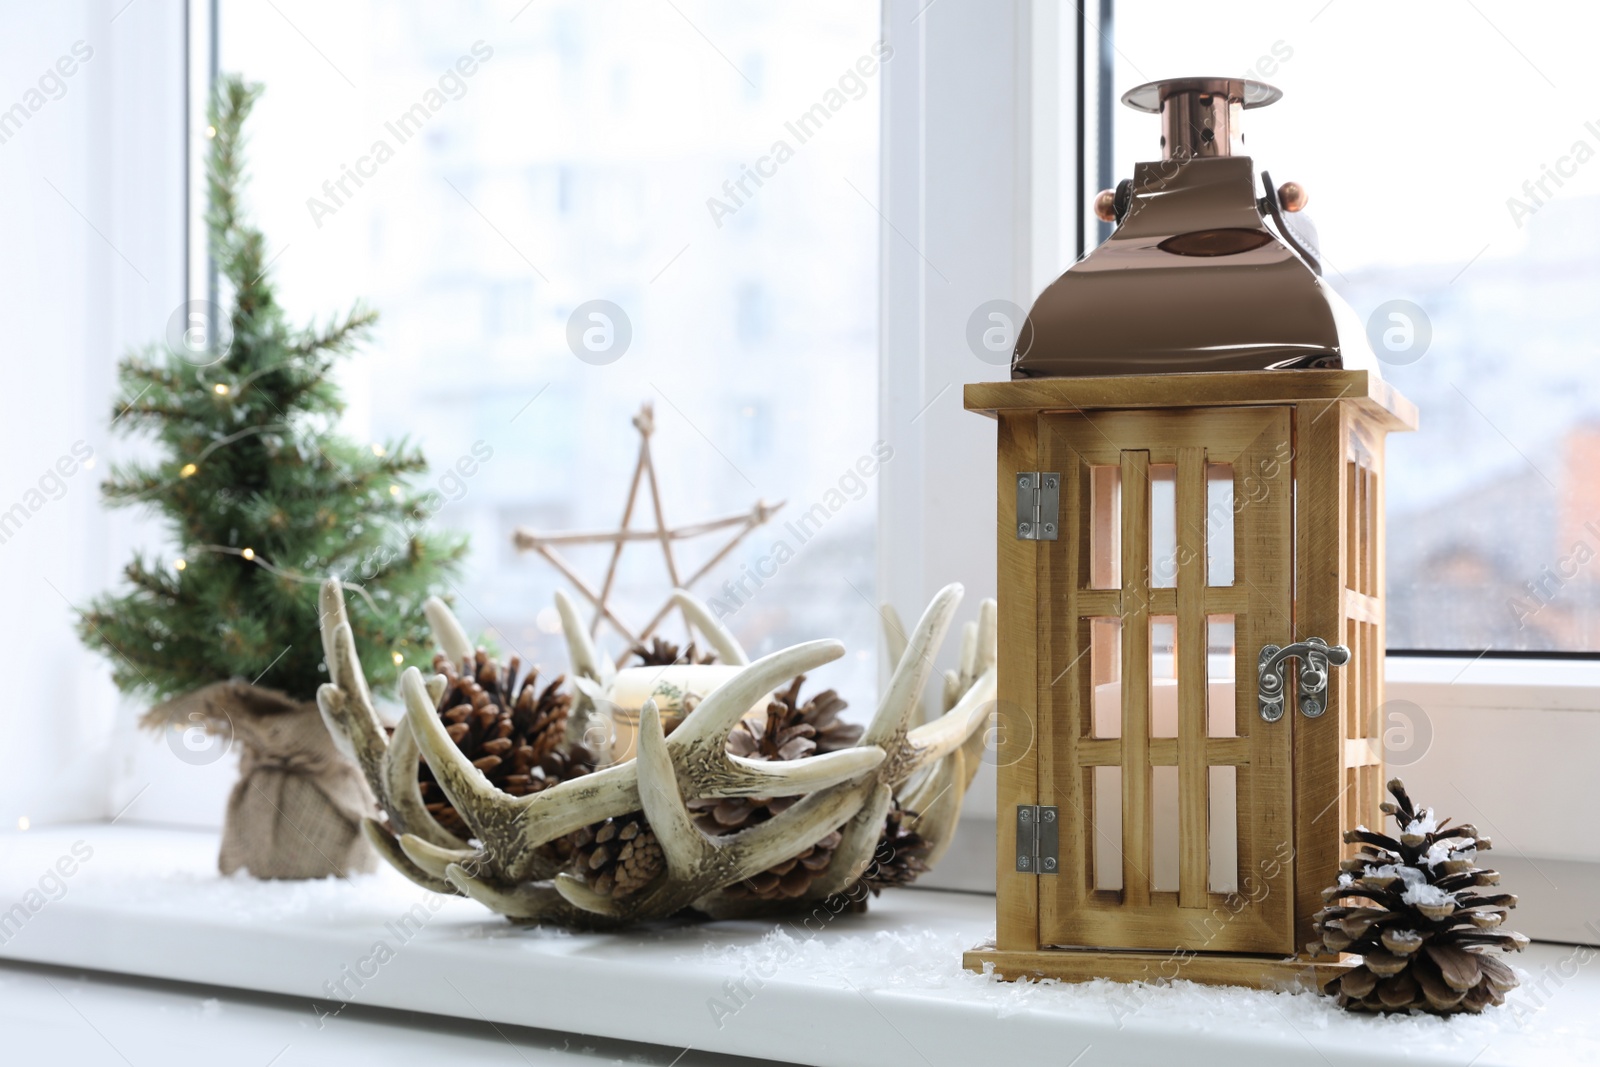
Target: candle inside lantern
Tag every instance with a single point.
(1222, 787)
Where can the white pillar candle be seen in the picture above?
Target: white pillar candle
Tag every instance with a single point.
(1222, 788)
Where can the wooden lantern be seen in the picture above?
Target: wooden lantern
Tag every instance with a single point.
(1178, 755)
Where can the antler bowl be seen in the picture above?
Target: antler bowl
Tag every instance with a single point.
(509, 866)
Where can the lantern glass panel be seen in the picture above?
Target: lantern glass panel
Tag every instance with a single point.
(1105, 527)
(1164, 829)
(1108, 828)
(1163, 526)
(1105, 665)
(1219, 524)
(1223, 805)
(1221, 714)
(1163, 676)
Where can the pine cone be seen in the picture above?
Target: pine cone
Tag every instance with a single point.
(901, 856)
(1422, 931)
(514, 741)
(792, 731)
(816, 720)
(663, 653)
(617, 857)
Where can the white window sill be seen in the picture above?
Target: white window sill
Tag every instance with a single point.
(1510, 745)
(66, 1016)
(886, 987)
(1487, 682)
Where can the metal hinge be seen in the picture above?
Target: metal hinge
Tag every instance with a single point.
(1038, 505)
(1037, 836)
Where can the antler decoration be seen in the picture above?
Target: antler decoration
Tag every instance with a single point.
(509, 868)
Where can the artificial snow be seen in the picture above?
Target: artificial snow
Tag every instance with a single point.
(1451, 848)
(1424, 823)
(174, 874)
(914, 960)
(1407, 874)
(1424, 893)
(901, 961)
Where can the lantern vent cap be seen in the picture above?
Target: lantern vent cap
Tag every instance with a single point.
(1250, 94)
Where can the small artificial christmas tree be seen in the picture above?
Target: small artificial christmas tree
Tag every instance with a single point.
(263, 500)
(1422, 930)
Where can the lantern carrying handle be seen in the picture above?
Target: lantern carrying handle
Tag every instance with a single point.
(1317, 658)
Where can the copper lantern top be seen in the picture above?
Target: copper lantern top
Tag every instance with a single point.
(1211, 267)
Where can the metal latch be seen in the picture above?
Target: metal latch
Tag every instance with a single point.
(1316, 658)
(1038, 505)
(1038, 833)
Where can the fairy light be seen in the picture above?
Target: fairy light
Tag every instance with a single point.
(398, 659)
(251, 555)
(179, 564)
(377, 450)
(221, 388)
(88, 464)
(211, 132)
(284, 572)
(23, 823)
(394, 490)
(188, 469)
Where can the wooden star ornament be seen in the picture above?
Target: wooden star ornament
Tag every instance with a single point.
(742, 524)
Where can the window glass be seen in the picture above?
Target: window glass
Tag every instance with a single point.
(564, 211)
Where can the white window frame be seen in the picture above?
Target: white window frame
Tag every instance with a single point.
(978, 132)
(107, 233)
(146, 784)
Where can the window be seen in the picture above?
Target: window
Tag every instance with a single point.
(1420, 195)
(598, 152)
(1460, 218)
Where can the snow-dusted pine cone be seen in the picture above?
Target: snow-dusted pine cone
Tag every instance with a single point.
(1423, 932)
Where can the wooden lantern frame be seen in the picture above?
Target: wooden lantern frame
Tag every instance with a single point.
(1309, 562)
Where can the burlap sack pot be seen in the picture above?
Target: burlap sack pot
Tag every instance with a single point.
(297, 807)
